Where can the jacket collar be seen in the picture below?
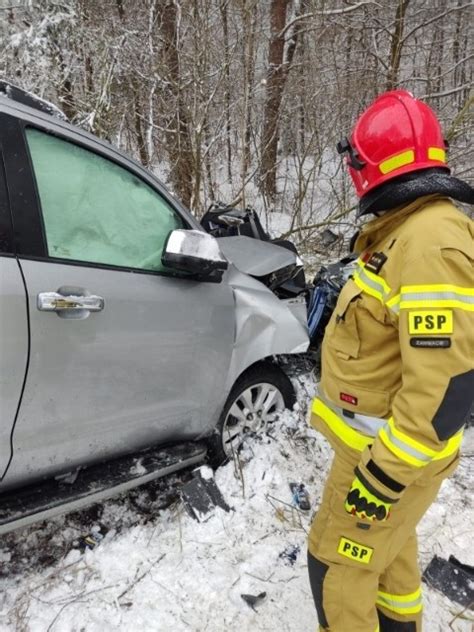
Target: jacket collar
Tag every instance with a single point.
(377, 229)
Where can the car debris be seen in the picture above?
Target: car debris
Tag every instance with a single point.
(300, 496)
(201, 495)
(253, 600)
(453, 578)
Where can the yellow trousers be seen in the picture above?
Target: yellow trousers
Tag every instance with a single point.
(364, 575)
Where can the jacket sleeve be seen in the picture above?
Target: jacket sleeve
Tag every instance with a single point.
(435, 313)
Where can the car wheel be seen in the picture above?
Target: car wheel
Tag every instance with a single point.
(253, 405)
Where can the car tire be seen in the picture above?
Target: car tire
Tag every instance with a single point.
(255, 401)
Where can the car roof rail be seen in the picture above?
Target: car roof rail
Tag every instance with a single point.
(19, 95)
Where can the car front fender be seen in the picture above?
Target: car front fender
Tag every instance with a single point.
(264, 324)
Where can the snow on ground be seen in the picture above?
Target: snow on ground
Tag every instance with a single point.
(161, 571)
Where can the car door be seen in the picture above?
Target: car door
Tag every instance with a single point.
(13, 328)
(146, 359)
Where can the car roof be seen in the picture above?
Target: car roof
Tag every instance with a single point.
(57, 125)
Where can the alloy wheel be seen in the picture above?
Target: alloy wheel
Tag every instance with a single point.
(250, 414)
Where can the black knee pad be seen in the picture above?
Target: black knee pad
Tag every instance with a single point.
(317, 572)
(390, 625)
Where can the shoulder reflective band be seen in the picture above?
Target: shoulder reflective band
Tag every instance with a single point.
(371, 283)
(413, 452)
(436, 295)
(401, 604)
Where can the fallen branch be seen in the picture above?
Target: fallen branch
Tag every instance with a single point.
(142, 576)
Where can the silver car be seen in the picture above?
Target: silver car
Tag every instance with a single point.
(130, 344)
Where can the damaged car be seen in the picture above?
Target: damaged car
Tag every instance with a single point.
(132, 343)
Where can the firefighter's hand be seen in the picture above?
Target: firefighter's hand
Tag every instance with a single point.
(365, 503)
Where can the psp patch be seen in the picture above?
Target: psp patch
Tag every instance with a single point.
(355, 551)
(430, 322)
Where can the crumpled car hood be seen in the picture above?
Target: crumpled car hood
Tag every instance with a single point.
(254, 257)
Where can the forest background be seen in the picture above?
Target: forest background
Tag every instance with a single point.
(244, 100)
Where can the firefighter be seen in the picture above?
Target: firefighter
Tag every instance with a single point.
(397, 370)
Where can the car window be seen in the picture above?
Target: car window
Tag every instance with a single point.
(96, 211)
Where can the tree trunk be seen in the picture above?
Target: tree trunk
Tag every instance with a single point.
(249, 81)
(274, 93)
(138, 125)
(177, 134)
(397, 44)
(65, 93)
(227, 100)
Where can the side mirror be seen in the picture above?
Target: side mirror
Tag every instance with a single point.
(195, 253)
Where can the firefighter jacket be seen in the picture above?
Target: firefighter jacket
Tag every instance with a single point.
(397, 361)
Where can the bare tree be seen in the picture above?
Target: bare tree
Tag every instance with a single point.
(177, 132)
(275, 84)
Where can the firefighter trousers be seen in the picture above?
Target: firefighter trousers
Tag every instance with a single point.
(364, 575)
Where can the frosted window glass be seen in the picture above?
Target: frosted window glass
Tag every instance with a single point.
(95, 211)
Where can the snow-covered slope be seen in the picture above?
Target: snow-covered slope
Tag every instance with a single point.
(166, 573)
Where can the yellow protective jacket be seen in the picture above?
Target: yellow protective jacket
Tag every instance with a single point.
(397, 378)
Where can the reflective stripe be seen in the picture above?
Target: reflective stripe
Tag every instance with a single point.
(394, 304)
(395, 162)
(403, 450)
(452, 446)
(413, 452)
(401, 604)
(436, 153)
(371, 283)
(363, 423)
(340, 428)
(439, 287)
(374, 277)
(359, 431)
(436, 295)
(412, 443)
(436, 299)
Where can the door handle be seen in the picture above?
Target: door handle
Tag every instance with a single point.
(56, 302)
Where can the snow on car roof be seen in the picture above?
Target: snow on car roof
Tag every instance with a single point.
(19, 95)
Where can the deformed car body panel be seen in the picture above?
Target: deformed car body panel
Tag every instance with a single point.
(255, 257)
(264, 324)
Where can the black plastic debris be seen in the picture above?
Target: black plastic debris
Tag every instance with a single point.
(454, 579)
(253, 600)
(201, 494)
(290, 554)
(328, 238)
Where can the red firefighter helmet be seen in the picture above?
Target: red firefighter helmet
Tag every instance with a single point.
(396, 134)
